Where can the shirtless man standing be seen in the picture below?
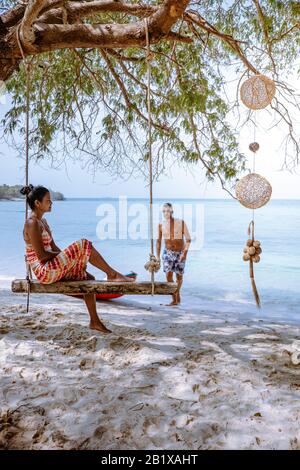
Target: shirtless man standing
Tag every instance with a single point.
(177, 243)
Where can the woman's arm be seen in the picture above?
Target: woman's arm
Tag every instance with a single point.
(36, 240)
(53, 245)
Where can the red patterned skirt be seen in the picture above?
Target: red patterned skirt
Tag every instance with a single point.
(69, 264)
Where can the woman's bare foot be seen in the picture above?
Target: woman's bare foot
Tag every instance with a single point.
(99, 327)
(174, 301)
(118, 277)
(172, 304)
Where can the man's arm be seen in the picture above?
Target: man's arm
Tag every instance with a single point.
(158, 241)
(188, 240)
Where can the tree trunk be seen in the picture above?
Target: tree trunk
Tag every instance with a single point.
(43, 28)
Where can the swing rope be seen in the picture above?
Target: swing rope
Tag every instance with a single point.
(251, 230)
(27, 66)
(251, 235)
(153, 265)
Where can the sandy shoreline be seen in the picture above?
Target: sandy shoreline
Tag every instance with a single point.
(165, 379)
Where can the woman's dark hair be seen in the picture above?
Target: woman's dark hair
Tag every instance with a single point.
(33, 193)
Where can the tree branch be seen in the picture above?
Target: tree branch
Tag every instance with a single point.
(11, 17)
(125, 94)
(42, 37)
(76, 10)
(196, 18)
(27, 34)
(262, 21)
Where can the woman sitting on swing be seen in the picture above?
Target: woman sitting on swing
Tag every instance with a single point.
(51, 264)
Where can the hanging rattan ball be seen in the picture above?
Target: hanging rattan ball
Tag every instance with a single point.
(254, 147)
(253, 191)
(257, 92)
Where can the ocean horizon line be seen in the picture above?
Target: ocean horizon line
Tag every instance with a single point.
(167, 199)
(78, 198)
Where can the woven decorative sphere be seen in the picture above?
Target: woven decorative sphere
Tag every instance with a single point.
(257, 92)
(253, 191)
(254, 147)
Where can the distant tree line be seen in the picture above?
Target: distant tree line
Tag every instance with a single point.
(13, 192)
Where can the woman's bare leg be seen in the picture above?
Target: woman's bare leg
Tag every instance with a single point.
(95, 322)
(112, 275)
(90, 302)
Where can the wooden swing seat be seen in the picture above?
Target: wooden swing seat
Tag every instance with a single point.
(94, 287)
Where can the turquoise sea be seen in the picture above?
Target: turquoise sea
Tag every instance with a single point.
(216, 278)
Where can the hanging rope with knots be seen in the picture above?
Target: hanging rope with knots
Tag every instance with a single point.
(27, 67)
(153, 265)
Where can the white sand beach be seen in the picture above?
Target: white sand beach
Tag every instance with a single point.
(165, 379)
